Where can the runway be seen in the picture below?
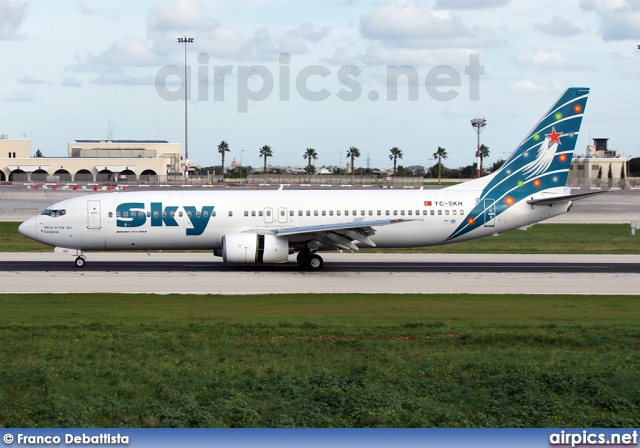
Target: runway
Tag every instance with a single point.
(202, 273)
(176, 273)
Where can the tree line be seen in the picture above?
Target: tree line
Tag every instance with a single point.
(395, 153)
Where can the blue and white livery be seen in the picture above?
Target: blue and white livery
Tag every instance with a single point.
(266, 226)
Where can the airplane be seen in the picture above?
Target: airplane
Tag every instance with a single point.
(267, 226)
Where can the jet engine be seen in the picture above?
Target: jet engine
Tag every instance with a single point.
(254, 248)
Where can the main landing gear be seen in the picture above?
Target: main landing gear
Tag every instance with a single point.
(308, 260)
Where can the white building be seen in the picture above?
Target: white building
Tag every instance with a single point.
(592, 169)
(92, 161)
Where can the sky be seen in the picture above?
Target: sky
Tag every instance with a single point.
(323, 74)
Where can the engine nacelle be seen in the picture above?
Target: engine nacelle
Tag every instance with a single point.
(254, 248)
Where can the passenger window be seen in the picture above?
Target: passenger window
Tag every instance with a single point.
(338, 212)
(417, 212)
(395, 213)
(213, 213)
(324, 213)
(330, 212)
(291, 213)
(308, 212)
(361, 212)
(230, 213)
(402, 212)
(355, 213)
(188, 214)
(110, 214)
(282, 213)
(439, 212)
(179, 213)
(370, 212)
(164, 214)
(205, 214)
(410, 212)
(125, 214)
(461, 212)
(379, 212)
(253, 213)
(117, 214)
(246, 213)
(433, 212)
(300, 213)
(268, 213)
(446, 212)
(454, 212)
(259, 212)
(315, 213)
(346, 213)
(141, 214)
(425, 212)
(387, 212)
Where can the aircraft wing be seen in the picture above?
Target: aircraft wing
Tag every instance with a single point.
(340, 235)
(563, 198)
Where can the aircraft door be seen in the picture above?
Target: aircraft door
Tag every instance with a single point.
(268, 215)
(489, 213)
(93, 215)
(282, 215)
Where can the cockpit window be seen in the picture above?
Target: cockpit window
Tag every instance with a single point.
(54, 213)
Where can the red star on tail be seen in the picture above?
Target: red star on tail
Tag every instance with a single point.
(554, 137)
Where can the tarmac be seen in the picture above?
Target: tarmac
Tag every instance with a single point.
(201, 273)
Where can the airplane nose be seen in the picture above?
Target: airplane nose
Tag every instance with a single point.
(29, 229)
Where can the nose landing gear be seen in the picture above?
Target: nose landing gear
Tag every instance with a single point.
(80, 261)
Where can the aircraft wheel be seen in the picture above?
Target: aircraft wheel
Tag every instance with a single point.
(315, 262)
(80, 262)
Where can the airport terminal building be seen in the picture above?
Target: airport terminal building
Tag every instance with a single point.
(93, 161)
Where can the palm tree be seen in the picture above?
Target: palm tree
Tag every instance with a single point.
(353, 152)
(396, 154)
(222, 148)
(265, 152)
(441, 153)
(310, 154)
(484, 152)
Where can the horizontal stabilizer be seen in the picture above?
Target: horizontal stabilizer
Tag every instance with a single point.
(563, 198)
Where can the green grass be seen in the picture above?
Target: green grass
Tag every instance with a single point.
(540, 239)
(319, 360)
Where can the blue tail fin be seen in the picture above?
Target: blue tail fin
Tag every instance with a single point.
(539, 163)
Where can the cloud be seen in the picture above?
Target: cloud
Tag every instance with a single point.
(528, 86)
(619, 19)
(88, 11)
(379, 54)
(549, 61)
(12, 14)
(123, 79)
(415, 33)
(30, 81)
(293, 41)
(469, 4)
(22, 96)
(71, 81)
(558, 27)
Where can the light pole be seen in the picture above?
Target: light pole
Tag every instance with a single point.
(478, 125)
(241, 153)
(186, 40)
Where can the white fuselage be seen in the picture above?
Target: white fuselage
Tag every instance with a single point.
(199, 219)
